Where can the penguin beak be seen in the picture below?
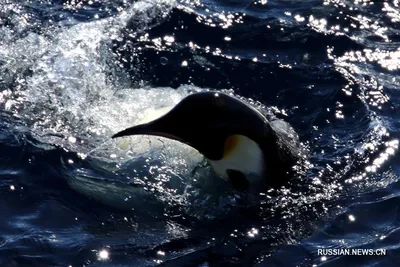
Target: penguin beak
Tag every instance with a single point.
(177, 128)
(147, 129)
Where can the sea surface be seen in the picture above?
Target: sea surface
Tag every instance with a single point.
(74, 72)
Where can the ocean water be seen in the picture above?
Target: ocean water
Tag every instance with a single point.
(74, 72)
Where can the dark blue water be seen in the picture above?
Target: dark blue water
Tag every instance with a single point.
(74, 72)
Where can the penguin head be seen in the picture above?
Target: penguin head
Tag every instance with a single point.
(228, 132)
(210, 122)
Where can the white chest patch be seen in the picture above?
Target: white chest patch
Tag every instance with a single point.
(241, 154)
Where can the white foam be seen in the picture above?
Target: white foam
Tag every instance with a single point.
(71, 94)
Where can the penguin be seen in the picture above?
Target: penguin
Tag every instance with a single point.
(241, 144)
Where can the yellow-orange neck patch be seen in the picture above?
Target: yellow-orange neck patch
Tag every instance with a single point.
(240, 154)
(230, 145)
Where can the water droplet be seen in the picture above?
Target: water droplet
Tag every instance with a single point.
(161, 253)
(103, 254)
(169, 39)
(253, 232)
(72, 139)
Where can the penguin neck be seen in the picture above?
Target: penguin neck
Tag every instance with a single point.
(241, 154)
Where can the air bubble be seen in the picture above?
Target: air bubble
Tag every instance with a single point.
(164, 61)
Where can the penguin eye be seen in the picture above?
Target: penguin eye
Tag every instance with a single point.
(238, 180)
